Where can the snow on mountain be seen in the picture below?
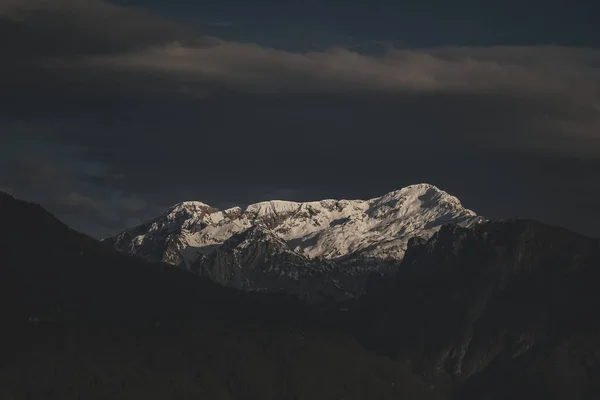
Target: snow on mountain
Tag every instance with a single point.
(254, 259)
(258, 259)
(378, 228)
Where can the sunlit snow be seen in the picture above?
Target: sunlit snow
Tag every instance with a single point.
(327, 229)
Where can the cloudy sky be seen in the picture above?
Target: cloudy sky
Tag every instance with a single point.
(113, 111)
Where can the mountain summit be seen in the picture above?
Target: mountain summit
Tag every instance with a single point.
(328, 229)
(332, 233)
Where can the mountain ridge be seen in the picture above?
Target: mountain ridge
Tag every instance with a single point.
(337, 234)
(497, 311)
(311, 227)
(488, 303)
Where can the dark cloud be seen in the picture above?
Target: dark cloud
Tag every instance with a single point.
(555, 89)
(223, 24)
(126, 113)
(34, 29)
(106, 48)
(68, 179)
(76, 202)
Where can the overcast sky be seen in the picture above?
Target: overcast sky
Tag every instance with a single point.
(113, 111)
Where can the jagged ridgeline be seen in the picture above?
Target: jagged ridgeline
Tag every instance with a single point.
(318, 250)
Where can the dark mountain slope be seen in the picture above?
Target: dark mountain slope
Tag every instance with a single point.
(47, 260)
(80, 321)
(500, 310)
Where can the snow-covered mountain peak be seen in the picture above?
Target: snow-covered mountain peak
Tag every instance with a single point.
(415, 200)
(233, 211)
(378, 228)
(190, 209)
(271, 213)
(418, 188)
(272, 207)
(423, 191)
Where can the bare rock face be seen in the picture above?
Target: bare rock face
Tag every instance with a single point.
(258, 260)
(338, 241)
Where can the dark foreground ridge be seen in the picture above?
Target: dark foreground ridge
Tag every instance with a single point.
(500, 311)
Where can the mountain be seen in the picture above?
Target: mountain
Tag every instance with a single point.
(257, 259)
(83, 321)
(497, 311)
(500, 310)
(339, 241)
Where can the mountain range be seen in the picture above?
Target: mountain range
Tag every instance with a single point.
(318, 250)
(498, 310)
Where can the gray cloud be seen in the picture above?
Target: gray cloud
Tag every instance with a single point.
(106, 48)
(526, 70)
(112, 37)
(560, 86)
(39, 28)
